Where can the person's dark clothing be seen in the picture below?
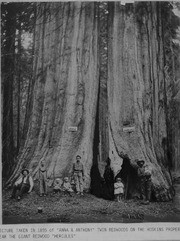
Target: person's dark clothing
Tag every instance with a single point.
(96, 181)
(145, 187)
(22, 188)
(23, 185)
(144, 174)
(108, 186)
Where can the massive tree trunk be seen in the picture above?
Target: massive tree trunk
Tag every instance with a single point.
(65, 92)
(136, 90)
(122, 112)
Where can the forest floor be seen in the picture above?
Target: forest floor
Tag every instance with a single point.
(62, 208)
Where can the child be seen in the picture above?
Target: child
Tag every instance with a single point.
(57, 185)
(118, 189)
(43, 179)
(67, 186)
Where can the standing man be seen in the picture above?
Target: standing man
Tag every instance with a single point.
(78, 173)
(24, 184)
(144, 174)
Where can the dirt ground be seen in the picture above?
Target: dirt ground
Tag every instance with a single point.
(61, 208)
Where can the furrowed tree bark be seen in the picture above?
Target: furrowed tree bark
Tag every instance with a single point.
(30, 85)
(103, 98)
(19, 85)
(175, 105)
(65, 89)
(136, 90)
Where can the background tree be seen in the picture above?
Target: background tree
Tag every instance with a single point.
(170, 23)
(17, 21)
(23, 61)
(8, 16)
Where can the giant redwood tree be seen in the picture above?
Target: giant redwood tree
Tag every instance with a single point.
(64, 97)
(81, 105)
(137, 89)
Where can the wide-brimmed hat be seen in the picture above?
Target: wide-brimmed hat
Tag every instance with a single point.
(25, 169)
(140, 161)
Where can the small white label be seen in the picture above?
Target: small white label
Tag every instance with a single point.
(123, 2)
(129, 129)
(72, 128)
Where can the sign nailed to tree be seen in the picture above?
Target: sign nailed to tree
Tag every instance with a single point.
(72, 128)
(129, 129)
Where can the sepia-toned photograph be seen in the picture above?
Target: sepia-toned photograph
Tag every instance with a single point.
(90, 106)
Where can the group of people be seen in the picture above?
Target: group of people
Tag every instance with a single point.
(125, 184)
(78, 177)
(25, 183)
(144, 173)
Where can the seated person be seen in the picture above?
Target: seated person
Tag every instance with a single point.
(57, 185)
(24, 184)
(66, 187)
